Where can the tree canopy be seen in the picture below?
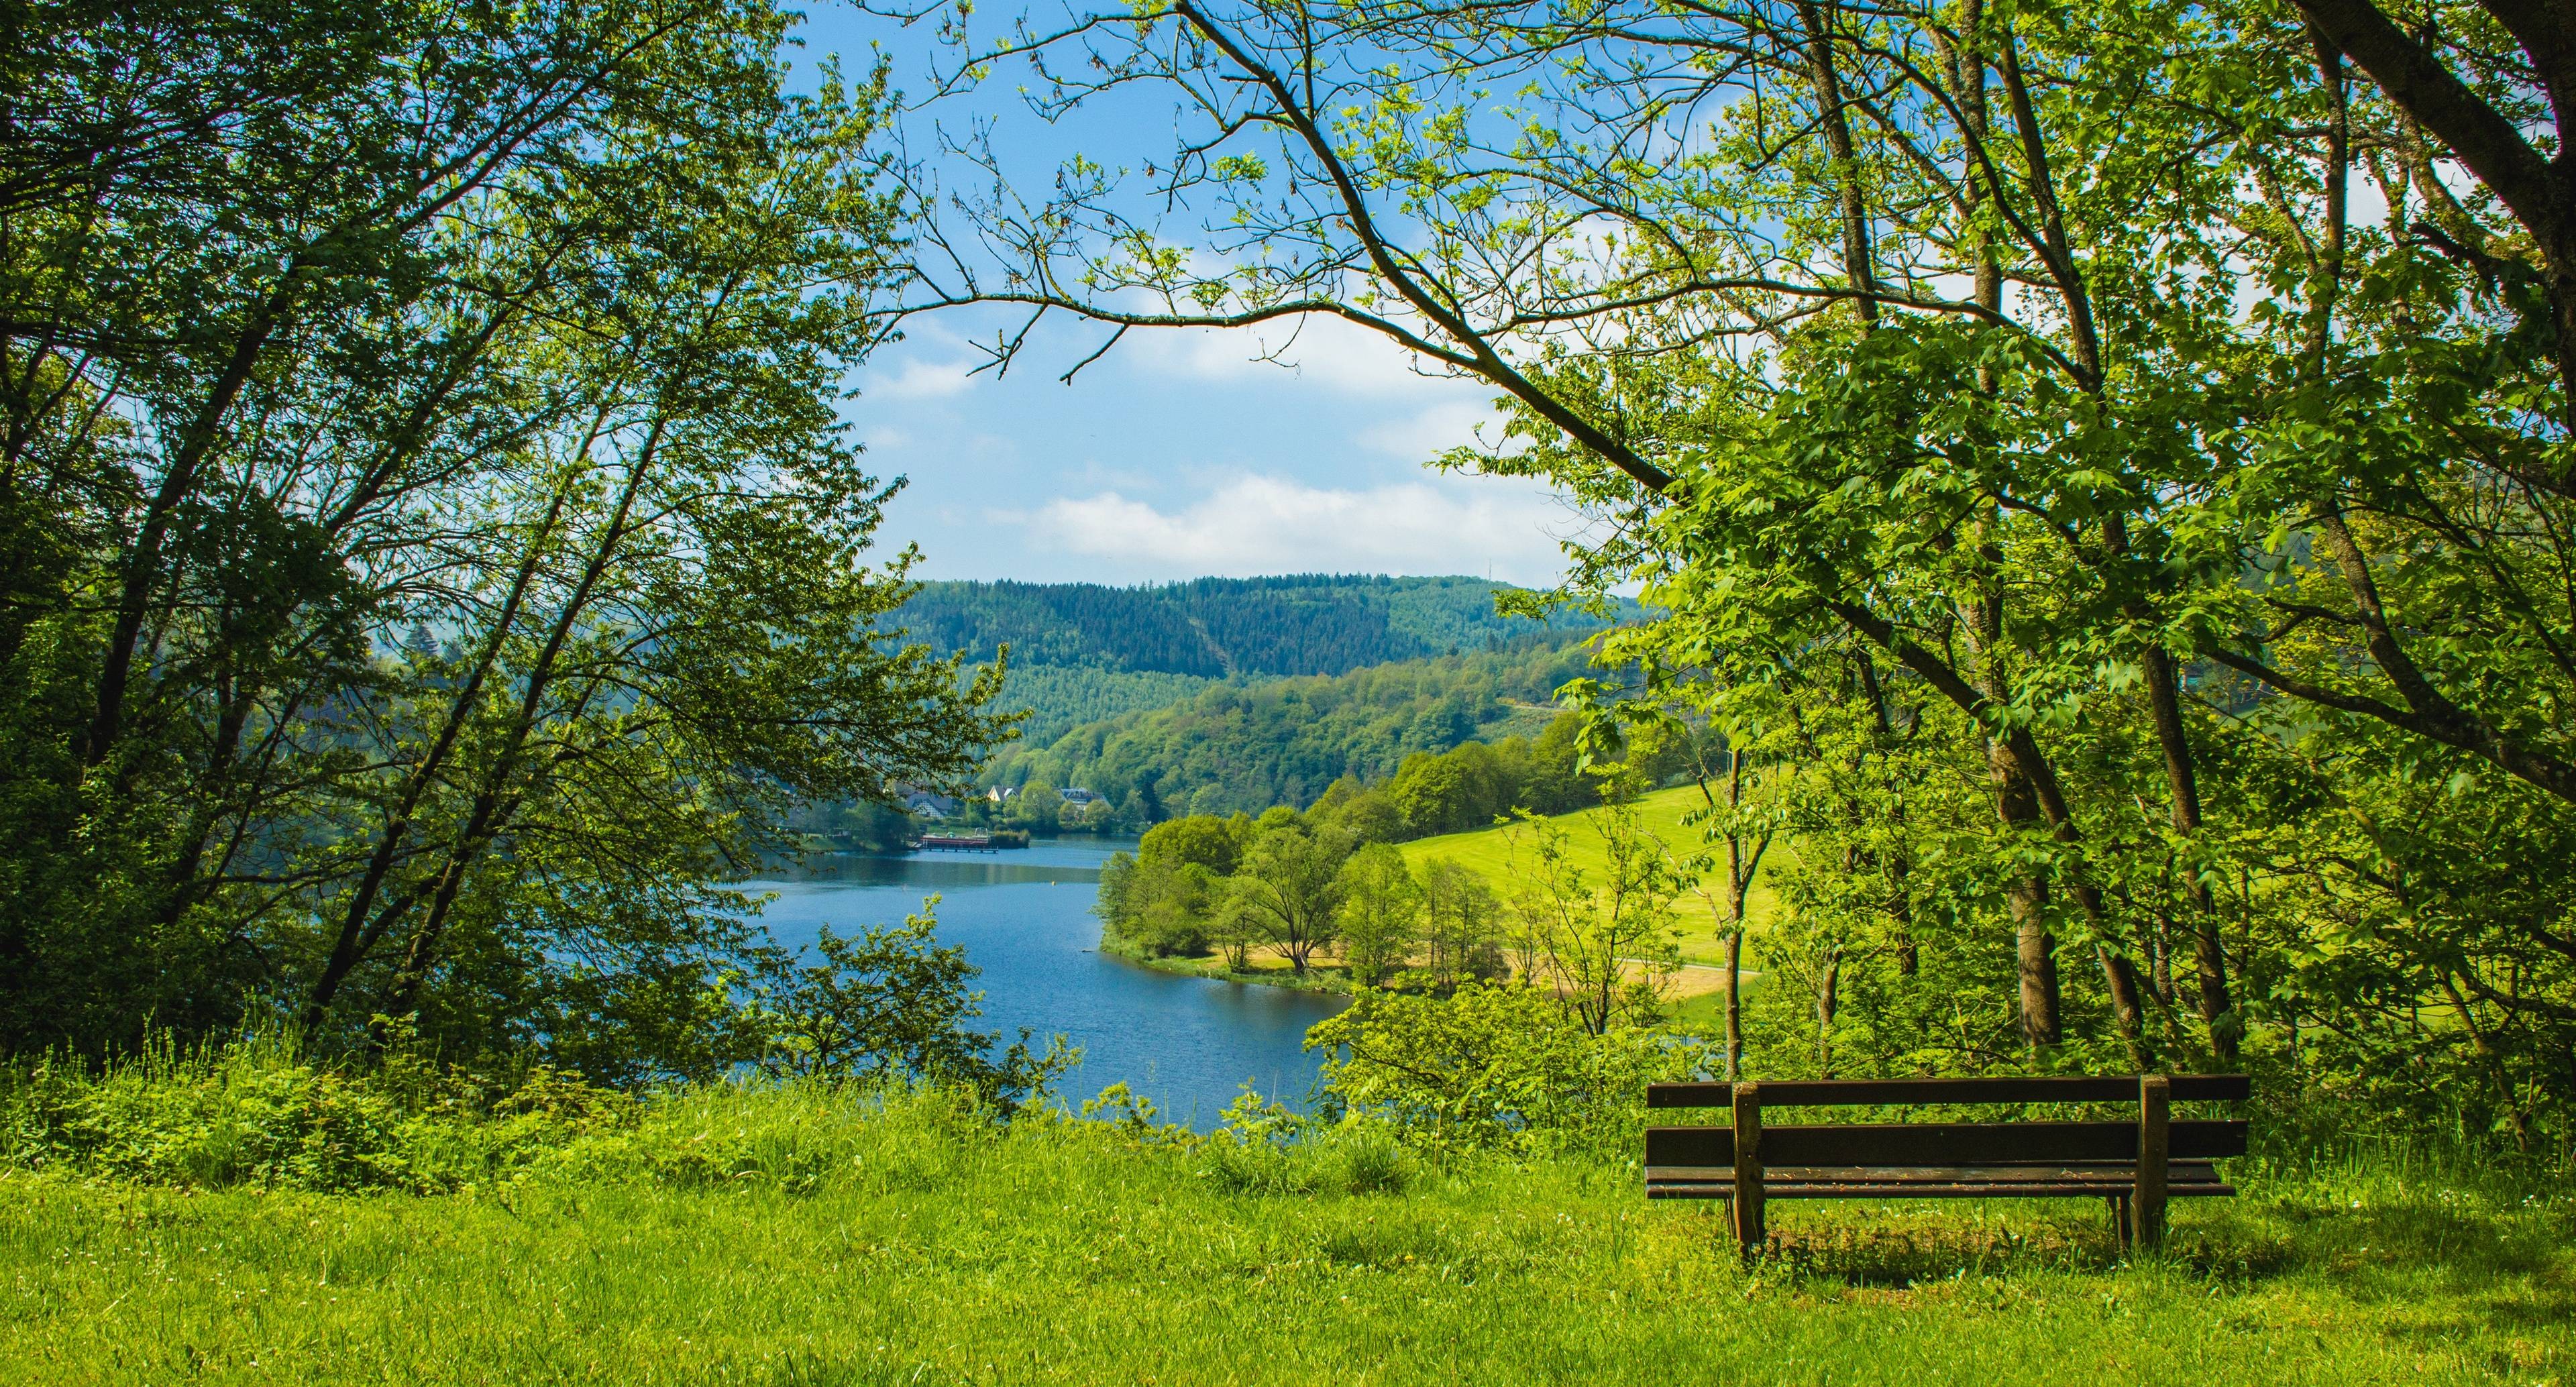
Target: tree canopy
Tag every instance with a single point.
(437, 562)
(2118, 455)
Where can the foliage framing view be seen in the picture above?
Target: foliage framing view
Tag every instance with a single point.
(2106, 466)
(434, 556)
(2103, 470)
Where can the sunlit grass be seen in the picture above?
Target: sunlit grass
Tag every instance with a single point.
(812, 1239)
(1488, 852)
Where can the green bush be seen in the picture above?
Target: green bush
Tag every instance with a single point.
(1264, 1148)
(1496, 1067)
(257, 1114)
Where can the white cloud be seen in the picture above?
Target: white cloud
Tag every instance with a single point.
(1331, 352)
(1431, 432)
(1265, 524)
(919, 380)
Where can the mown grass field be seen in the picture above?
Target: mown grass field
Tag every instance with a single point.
(1489, 852)
(798, 1239)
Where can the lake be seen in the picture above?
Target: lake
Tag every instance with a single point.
(1024, 917)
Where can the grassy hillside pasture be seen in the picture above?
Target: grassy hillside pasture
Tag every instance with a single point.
(799, 1237)
(1488, 851)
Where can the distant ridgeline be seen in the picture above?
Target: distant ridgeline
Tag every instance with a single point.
(1083, 652)
(1240, 693)
(1215, 628)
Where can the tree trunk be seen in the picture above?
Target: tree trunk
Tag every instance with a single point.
(1900, 898)
(1857, 262)
(2209, 953)
(143, 563)
(355, 939)
(1734, 1012)
(1828, 1000)
(1900, 911)
(2035, 954)
(2121, 978)
(2034, 948)
(2486, 1052)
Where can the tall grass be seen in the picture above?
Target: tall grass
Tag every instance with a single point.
(801, 1234)
(255, 1113)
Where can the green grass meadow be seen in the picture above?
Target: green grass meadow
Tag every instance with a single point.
(808, 1236)
(1489, 852)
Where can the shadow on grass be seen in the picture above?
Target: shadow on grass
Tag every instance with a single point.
(2388, 1247)
(1883, 1247)
(2434, 1243)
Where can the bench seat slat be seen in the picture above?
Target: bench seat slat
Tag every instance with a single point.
(2188, 1172)
(1969, 1191)
(1939, 1143)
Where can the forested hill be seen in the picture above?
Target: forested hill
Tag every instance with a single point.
(1248, 745)
(1214, 628)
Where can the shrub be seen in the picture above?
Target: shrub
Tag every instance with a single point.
(256, 1114)
(1264, 1148)
(1497, 1066)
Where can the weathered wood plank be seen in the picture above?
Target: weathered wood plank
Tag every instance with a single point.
(2155, 1131)
(2120, 1175)
(2186, 1088)
(1895, 1192)
(1745, 1153)
(1942, 1143)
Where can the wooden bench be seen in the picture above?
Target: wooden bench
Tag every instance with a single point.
(2134, 1166)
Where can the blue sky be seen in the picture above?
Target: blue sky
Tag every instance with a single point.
(1179, 454)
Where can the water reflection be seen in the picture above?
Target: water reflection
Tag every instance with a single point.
(941, 871)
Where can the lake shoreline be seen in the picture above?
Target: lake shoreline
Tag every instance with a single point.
(1025, 921)
(1314, 981)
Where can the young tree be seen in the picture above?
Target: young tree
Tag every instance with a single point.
(1381, 919)
(1608, 943)
(1460, 928)
(892, 1002)
(1289, 891)
(1234, 929)
(1740, 827)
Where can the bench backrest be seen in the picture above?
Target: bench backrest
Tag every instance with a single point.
(1941, 1143)
(1825, 1093)
(1945, 1143)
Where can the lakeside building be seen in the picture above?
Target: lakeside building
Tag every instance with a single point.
(931, 806)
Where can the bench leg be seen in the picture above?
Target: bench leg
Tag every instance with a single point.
(2155, 1145)
(2120, 1230)
(1749, 1233)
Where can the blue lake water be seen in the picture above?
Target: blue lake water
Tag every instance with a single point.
(1024, 917)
